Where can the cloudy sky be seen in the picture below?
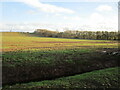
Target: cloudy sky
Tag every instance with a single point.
(28, 15)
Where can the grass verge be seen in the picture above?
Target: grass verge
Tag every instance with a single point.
(106, 78)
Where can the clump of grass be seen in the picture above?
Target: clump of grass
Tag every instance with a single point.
(106, 78)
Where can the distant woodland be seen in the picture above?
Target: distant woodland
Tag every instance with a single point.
(98, 35)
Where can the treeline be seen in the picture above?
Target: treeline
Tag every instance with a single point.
(99, 35)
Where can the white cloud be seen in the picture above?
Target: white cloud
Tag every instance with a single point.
(42, 7)
(46, 7)
(94, 22)
(96, 17)
(58, 14)
(100, 22)
(105, 25)
(73, 18)
(31, 12)
(104, 8)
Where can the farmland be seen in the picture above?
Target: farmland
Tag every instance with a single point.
(29, 59)
(12, 41)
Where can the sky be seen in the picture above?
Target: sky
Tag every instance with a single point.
(28, 15)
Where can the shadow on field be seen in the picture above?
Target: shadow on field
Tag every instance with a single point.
(28, 66)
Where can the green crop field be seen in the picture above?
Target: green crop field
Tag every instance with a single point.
(31, 59)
